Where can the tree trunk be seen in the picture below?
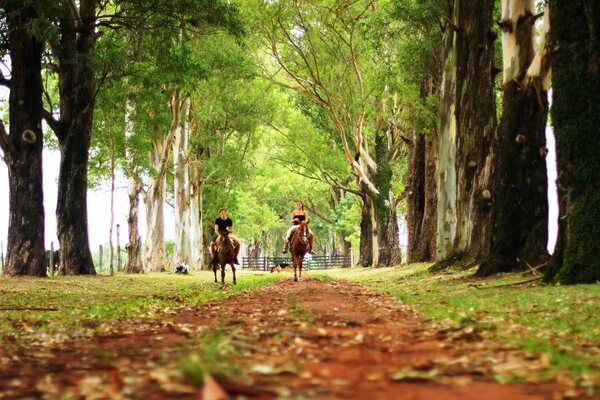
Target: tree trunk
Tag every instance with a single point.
(74, 132)
(416, 194)
(575, 38)
(366, 235)
(520, 201)
(425, 249)
(476, 124)
(111, 269)
(467, 130)
(181, 183)
(446, 172)
(155, 258)
(23, 149)
(197, 238)
(135, 263)
(386, 218)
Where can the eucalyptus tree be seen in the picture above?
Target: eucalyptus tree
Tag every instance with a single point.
(467, 127)
(22, 29)
(418, 65)
(306, 145)
(318, 50)
(519, 184)
(228, 110)
(575, 61)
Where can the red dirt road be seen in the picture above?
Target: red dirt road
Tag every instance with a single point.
(305, 340)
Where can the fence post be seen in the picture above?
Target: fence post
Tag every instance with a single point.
(51, 259)
(100, 254)
(118, 250)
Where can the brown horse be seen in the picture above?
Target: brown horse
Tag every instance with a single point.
(225, 255)
(299, 246)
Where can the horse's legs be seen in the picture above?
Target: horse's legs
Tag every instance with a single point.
(214, 268)
(300, 268)
(223, 274)
(233, 271)
(295, 262)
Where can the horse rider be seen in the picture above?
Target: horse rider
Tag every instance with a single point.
(299, 214)
(224, 227)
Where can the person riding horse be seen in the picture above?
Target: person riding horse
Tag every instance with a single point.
(224, 227)
(298, 215)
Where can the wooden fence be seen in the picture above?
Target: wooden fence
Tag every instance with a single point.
(316, 262)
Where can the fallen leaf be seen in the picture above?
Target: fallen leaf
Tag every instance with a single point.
(212, 390)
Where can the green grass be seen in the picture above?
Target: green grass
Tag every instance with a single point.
(91, 302)
(561, 323)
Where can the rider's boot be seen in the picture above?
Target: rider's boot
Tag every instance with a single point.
(285, 248)
(310, 244)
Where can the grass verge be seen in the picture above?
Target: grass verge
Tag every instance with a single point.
(559, 324)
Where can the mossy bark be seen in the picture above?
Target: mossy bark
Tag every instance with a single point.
(384, 207)
(575, 38)
(366, 234)
(519, 184)
(23, 147)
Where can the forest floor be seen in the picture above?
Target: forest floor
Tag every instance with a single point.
(314, 339)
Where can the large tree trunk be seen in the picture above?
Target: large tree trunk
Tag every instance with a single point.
(416, 194)
(472, 136)
(23, 148)
(425, 248)
(384, 206)
(476, 123)
(155, 258)
(135, 264)
(197, 238)
(182, 187)
(575, 38)
(446, 171)
(520, 182)
(77, 95)
(366, 234)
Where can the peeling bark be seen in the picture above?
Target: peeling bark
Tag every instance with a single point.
(520, 204)
(155, 258)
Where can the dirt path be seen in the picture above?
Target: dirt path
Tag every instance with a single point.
(307, 340)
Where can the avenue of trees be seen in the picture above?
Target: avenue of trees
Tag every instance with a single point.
(370, 111)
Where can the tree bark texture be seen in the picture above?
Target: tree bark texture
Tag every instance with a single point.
(366, 235)
(197, 238)
(155, 258)
(416, 194)
(520, 204)
(22, 147)
(476, 124)
(77, 96)
(575, 38)
(135, 264)
(446, 167)
(384, 206)
(426, 245)
(182, 187)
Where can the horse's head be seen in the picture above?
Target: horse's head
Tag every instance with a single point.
(224, 244)
(303, 232)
